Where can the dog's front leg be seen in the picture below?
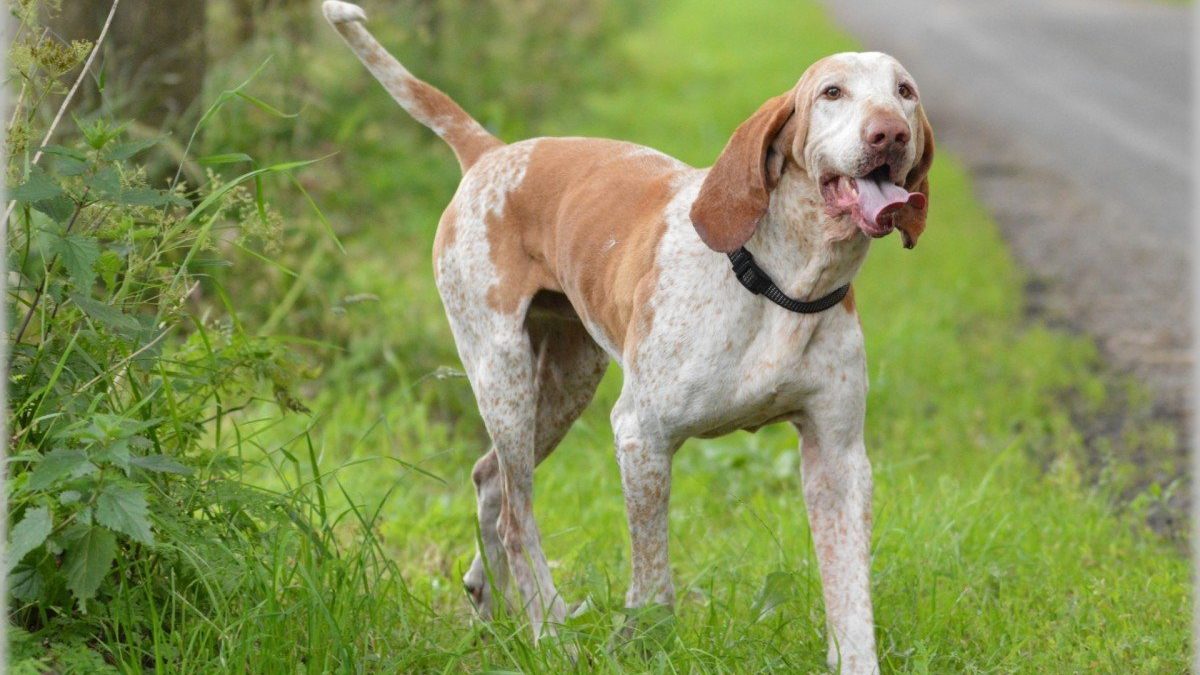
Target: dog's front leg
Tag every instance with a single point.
(837, 494)
(645, 463)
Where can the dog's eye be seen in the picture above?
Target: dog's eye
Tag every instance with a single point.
(832, 93)
(905, 91)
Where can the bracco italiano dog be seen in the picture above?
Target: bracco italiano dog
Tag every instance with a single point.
(723, 293)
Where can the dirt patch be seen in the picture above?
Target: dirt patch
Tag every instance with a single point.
(1095, 268)
(1127, 451)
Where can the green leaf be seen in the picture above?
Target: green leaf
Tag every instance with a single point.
(106, 182)
(122, 508)
(116, 453)
(28, 535)
(78, 255)
(320, 214)
(263, 105)
(106, 314)
(56, 465)
(67, 162)
(161, 464)
(88, 560)
(66, 166)
(98, 132)
(25, 583)
(107, 266)
(778, 588)
(37, 186)
(61, 151)
(59, 208)
(149, 197)
(144, 233)
(227, 158)
(123, 151)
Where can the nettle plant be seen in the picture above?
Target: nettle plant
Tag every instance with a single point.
(127, 357)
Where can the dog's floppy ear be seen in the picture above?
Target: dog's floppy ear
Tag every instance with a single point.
(911, 220)
(737, 189)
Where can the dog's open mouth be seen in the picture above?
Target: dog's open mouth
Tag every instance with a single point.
(871, 200)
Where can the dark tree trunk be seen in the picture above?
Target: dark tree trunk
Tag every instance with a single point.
(294, 17)
(154, 54)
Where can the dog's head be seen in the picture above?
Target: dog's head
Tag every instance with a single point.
(854, 126)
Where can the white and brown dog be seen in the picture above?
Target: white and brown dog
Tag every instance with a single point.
(558, 254)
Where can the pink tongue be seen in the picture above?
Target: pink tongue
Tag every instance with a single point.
(877, 200)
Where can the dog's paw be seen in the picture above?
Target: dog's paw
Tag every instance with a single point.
(479, 593)
(342, 12)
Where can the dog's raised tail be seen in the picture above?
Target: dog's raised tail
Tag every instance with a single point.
(426, 103)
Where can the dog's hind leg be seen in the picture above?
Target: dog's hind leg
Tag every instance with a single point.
(569, 366)
(509, 366)
(502, 375)
(487, 579)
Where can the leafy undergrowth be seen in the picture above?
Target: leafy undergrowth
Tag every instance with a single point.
(982, 562)
(132, 544)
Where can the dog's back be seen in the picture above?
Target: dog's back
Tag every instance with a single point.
(544, 211)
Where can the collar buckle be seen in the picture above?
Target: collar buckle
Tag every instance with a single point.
(748, 272)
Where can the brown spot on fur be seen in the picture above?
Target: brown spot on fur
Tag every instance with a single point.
(585, 222)
(645, 318)
(447, 231)
(848, 301)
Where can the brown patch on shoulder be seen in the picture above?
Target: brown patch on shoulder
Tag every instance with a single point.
(644, 320)
(847, 302)
(515, 246)
(586, 222)
(447, 231)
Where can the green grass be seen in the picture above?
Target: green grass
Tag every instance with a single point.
(983, 562)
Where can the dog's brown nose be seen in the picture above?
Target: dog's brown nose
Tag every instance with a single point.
(882, 131)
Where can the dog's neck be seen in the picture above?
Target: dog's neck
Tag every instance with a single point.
(807, 253)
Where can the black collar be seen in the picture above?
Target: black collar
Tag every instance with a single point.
(759, 283)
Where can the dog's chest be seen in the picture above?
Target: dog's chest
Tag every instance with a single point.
(751, 370)
(775, 375)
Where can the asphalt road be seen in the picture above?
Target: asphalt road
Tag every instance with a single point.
(1099, 88)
